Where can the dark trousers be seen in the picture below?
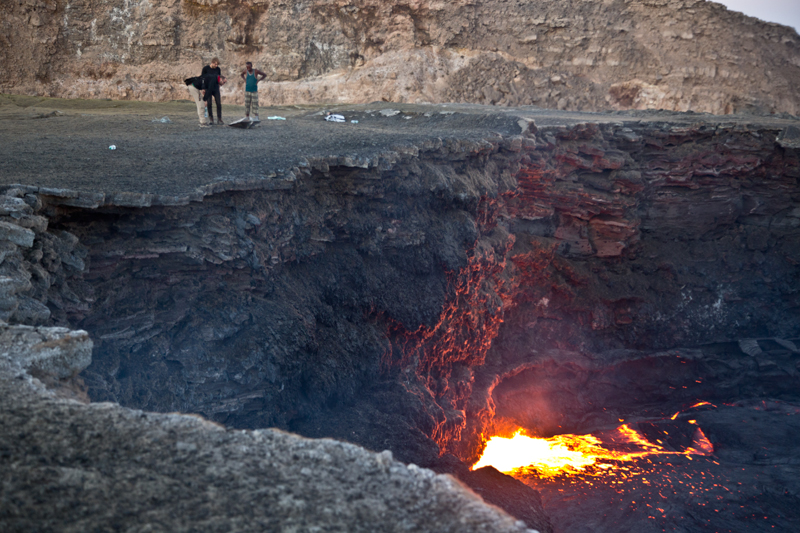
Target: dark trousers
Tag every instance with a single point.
(216, 96)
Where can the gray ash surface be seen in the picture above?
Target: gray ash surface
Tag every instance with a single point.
(64, 144)
(71, 150)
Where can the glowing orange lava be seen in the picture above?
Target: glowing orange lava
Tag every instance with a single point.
(578, 454)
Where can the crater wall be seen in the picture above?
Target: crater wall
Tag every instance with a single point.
(417, 299)
(353, 301)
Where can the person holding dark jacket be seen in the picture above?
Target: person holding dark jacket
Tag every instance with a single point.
(197, 88)
(213, 79)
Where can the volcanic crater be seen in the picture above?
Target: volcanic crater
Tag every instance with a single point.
(423, 278)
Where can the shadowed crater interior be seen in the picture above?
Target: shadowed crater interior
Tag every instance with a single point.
(628, 278)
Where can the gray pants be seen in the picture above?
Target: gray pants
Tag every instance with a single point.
(201, 105)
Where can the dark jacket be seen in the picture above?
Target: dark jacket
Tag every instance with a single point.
(211, 79)
(198, 82)
(208, 71)
(211, 76)
(211, 85)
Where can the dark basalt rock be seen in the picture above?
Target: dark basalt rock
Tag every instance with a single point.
(512, 495)
(555, 276)
(72, 467)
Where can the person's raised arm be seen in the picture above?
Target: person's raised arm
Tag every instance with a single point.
(260, 73)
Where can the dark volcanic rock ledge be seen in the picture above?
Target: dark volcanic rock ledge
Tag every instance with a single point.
(74, 467)
(420, 279)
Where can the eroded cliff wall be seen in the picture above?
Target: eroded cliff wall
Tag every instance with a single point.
(381, 301)
(589, 55)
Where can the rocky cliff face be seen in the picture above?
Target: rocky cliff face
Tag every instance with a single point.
(591, 55)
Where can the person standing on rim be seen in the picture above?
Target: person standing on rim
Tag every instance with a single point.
(197, 88)
(251, 77)
(214, 79)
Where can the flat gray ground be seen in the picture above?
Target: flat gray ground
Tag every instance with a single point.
(64, 144)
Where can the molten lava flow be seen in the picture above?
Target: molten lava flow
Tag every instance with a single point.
(583, 454)
(548, 456)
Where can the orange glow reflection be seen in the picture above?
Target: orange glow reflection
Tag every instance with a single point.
(578, 454)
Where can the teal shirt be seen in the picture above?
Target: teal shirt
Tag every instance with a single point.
(251, 83)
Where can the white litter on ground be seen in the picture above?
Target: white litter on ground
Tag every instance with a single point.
(335, 118)
(275, 118)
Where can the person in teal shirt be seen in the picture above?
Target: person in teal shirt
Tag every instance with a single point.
(251, 77)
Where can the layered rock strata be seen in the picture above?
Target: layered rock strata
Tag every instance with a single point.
(408, 298)
(590, 55)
